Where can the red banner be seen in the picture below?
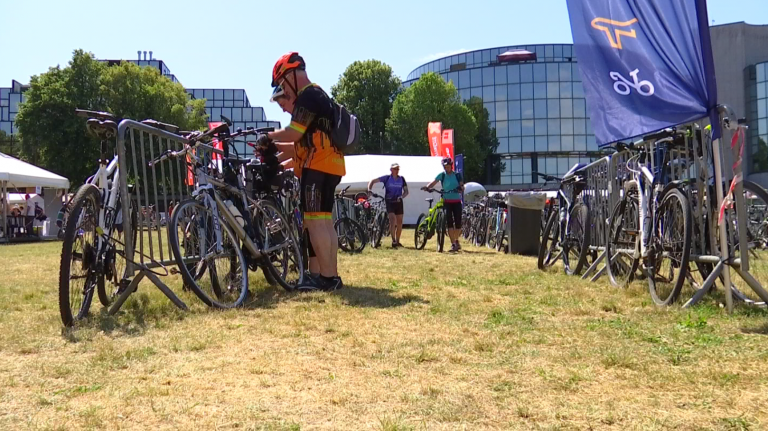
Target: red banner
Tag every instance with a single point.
(434, 133)
(447, 147)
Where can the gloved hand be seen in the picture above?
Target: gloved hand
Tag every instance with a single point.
(263, 141)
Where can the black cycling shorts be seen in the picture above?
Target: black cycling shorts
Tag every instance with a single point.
(453, 214)
(395, 207)
(317, 194)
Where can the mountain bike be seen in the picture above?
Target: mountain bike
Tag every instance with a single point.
(352, 237)
(431, 223)
(567, 233)
(211, 232)
(93, 257)
(651, 224)
(379, 222)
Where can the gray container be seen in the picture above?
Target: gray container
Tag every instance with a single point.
(524, 221)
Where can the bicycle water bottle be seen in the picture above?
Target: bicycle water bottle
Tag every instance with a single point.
(235, 212)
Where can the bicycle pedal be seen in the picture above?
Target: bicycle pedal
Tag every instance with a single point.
(175, 270)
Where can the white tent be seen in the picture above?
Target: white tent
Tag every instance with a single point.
(417, 170)
(17, 174)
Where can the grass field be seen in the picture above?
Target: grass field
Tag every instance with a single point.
(418, 340)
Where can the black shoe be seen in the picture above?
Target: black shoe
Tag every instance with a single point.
(333, 283)
(394, 245)
(311, 284)
(398, 244)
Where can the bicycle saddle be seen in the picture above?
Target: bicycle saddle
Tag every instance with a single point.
(430, 199)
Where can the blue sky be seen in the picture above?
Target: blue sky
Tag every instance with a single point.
(233, 44)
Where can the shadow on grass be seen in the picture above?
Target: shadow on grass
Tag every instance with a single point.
(760, 330)
(132, 318)
(375, 298)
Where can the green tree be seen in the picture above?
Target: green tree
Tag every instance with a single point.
(368, 89)
(486, 140)
(431, 99)
(53, 137)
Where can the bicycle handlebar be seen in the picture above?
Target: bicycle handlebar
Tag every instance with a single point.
(548, 177)
(443, 192)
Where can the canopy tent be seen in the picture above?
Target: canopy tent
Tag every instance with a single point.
(418, 171)
(19, 175)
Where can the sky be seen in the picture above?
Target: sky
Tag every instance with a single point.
(234, 44)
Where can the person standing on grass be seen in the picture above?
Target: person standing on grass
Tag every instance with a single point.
(316, 162)
(453, 183)
(395, 190)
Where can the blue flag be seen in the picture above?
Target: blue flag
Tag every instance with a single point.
(645, 64)
(459, 163)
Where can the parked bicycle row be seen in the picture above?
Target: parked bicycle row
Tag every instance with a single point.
(648, 212)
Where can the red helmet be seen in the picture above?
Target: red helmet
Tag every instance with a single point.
(286, 63)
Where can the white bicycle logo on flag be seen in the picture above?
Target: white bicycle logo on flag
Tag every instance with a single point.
(623, 86)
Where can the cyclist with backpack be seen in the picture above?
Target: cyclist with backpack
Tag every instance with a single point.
(395, 190)
(452, 182)
(317, 162)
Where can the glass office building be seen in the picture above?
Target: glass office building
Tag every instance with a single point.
(757, 115)
(537, 107)
(232, 103)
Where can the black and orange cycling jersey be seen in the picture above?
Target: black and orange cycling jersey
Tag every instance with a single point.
(313, 118)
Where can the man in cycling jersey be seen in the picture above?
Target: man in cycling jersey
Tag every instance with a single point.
(454, 183)
(317, 163)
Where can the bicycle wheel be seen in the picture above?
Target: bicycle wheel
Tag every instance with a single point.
(490, 234)
(440, 228)
(115, 258)
(284, 264)
(351, 235)
(549, 249)
(500, 237)
(421, 232)
(77, 273)
(669, 248)
(378, 229)
(192, 227)
(576, 244)
(623, 246)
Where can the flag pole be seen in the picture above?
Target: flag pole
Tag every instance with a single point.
(717, 156)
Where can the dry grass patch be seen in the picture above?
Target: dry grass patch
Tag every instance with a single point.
(417, 340)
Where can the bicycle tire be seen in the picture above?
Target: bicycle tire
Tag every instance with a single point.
(550, 243)
(378, 229)
(619, 273)
(354, 239)
(239, 284)
(491, 229)
(421, 232)
(440, 228)
(580, 215)
(278, 232)
(87, 196)
(684, 250)
(116, 234)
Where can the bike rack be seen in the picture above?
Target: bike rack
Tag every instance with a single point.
(605, 182)
(137, 144)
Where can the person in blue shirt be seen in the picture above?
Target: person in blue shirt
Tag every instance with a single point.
(395, 190)
(453, 183)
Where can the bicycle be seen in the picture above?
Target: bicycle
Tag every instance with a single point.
(567, 233)
(379, 222)
(352, 237)
(432, 222)
(93, 250)
(228, 224)
(648, 214)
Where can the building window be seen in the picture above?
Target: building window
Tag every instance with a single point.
(540, 90)
(540, 108)
(501, 92)
(464, 81)
(218, 94)
(229, 94)
(513, 73)
(513, 91)
(528, 127)
(502, 129)
(526, 73)
(526, 91)
(514, 109)
(477, 77)
(209, 94)
(566, 108)
(526, 109)
(553, 90)
(515, 128)
(501, 74)
(501, 111)
(515, 145)
(488, 73)
(488, 93)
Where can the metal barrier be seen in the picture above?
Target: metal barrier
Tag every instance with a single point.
(143, 186)
(698, 164)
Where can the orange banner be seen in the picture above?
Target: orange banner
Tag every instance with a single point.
(447, 147)
(434, 133)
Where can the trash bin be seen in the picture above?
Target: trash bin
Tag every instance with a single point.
(524, 221)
